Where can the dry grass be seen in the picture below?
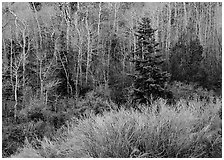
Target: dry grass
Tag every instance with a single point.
(189, 129)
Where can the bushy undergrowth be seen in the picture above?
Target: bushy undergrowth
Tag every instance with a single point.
(191, 91)
(189, 129)
(95, 102)
(33, 122)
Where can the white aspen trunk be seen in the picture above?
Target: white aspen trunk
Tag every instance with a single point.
(168, 34)
(175, 20)
(108, 63)
(185, 15)
(157, 24)
(17, 65)
(41, 79)
(88, 48)
(11, 60)
(24, 63)
(69, 87)
(78, 68)
(15, 95)
(115, 17)
(99, 21)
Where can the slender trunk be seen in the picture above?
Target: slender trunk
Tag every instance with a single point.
(78, 68)
(24, 65)
(175, 21)
(168, 35)
(15, 94)
(123, 68)
(157, 24)
(98, 36)
(185, 15)
(17, 65)
(69, 87)
(88, 48)
(108, 64)
(68, 22)
(99, 21)
(134, 37)
(38, 25)
(41, 79)
(11, 62)
(116, 4)
(115, 16)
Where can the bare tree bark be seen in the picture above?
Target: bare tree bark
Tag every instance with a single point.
(88, 46)
(17, 64)
(79, 67)
(185, 15)
(11, 58)
(168, 39)
(24, 58)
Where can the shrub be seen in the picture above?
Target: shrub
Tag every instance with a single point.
(184, 131)
(95, 102)
(191, 91)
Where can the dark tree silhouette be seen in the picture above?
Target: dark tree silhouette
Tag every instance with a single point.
(149, 79)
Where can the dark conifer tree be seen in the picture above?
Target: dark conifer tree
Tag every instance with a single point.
(149, 79)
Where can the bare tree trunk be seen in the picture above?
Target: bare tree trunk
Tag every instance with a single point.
(24, 63)
(99, 21)
(41, 79)
(11, 59)
(116, 5)
(185, 15)
(78, 68)
(88, 47)
(38, 25)
(168, 39)
(16, 69)
(123, 62)
(15, 95)
(68, 22)
(157, 24)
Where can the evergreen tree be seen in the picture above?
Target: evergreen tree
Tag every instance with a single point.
(149, 79)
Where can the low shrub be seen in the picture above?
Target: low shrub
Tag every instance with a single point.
(94, 102)
(191, 91)
(188, 129)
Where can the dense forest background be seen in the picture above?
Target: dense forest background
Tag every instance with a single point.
(54, 55)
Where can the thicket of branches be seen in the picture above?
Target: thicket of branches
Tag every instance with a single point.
(68, 48)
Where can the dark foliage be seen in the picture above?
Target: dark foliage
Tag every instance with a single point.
(35, 6)
(186, 60)
(73, 6)
(150, 81)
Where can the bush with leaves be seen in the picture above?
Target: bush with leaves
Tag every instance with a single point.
(149, 79)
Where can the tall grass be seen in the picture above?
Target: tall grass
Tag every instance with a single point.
(188, 129)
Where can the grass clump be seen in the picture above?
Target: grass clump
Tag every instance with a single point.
(159, 131)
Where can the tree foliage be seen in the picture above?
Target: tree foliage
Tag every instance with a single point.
(150, 81)
(186, 58)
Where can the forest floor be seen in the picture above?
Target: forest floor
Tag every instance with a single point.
(189, 128)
